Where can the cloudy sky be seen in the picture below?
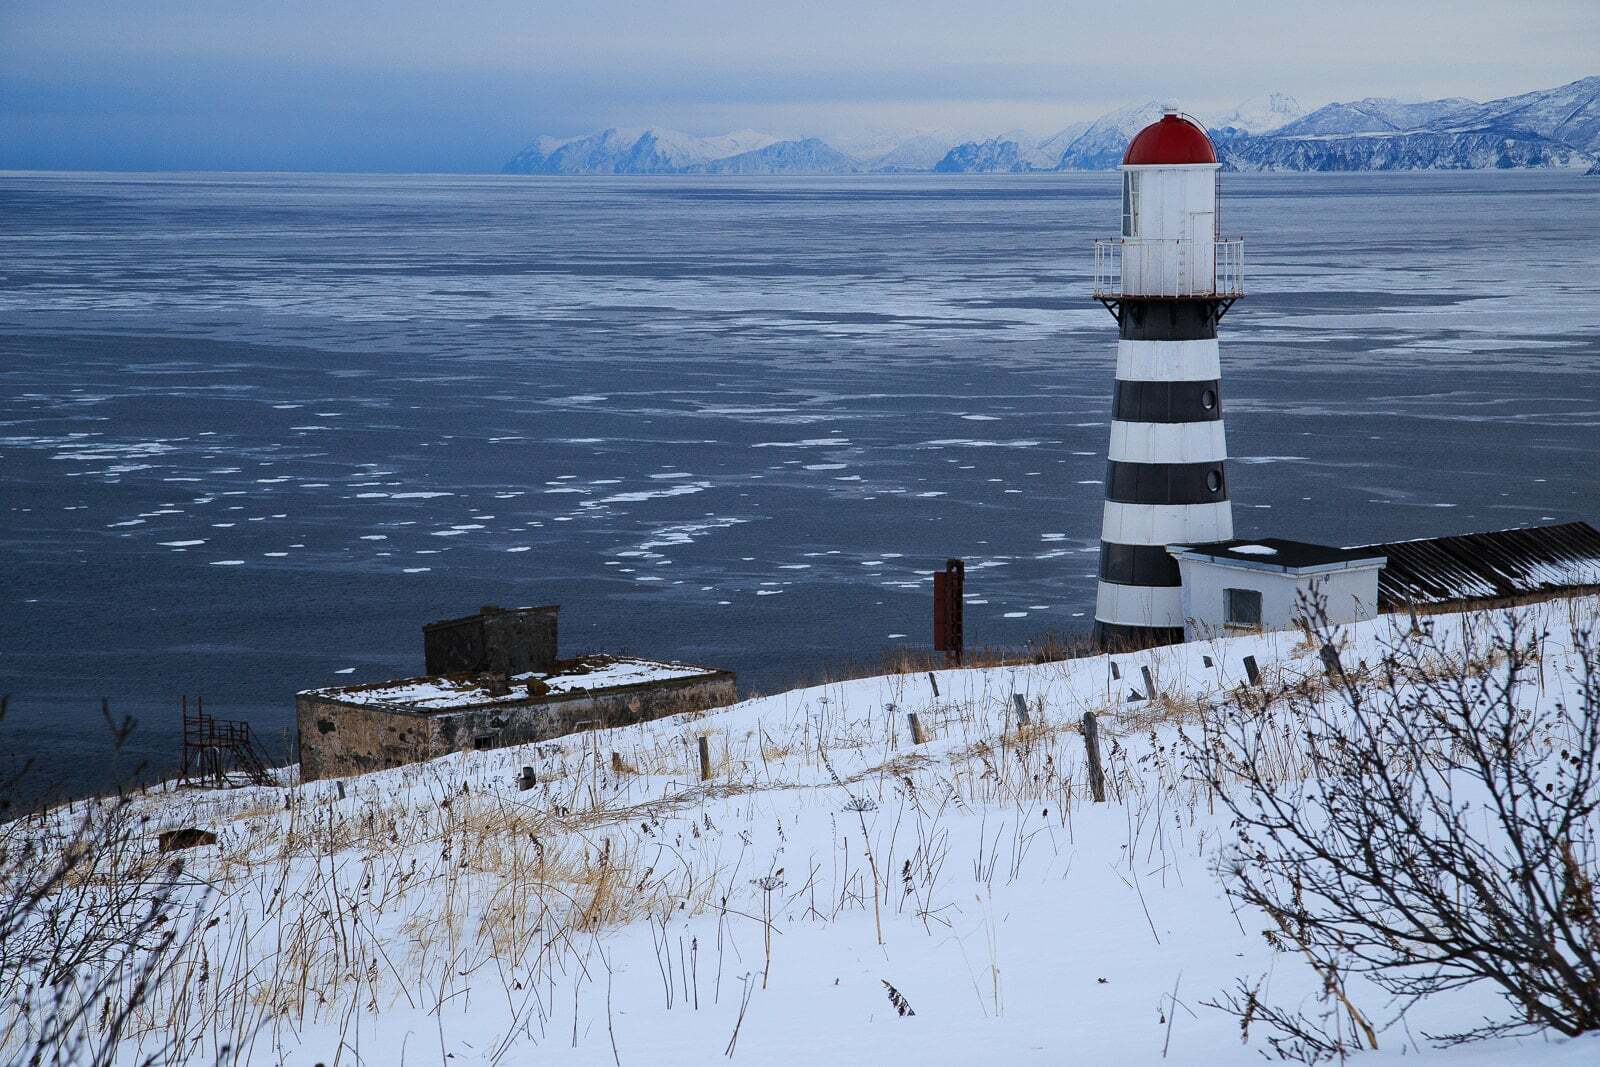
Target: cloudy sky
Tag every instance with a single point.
(437, 85)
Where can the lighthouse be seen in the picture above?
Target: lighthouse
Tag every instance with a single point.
(1167, 280)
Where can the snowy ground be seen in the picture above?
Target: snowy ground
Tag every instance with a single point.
(436, 914)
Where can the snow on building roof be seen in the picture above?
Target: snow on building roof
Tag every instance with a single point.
(1502, 564)
(1277, 554)
(1172, 140)
(448, 692)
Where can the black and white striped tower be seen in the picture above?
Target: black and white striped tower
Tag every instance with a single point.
(1168, 280)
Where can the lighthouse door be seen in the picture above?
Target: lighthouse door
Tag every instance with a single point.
(1201, 267)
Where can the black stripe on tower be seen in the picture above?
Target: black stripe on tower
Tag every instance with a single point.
(1137, 565)
(1167, 483)
(1167, 401)
(1118, 638)
(1168, 320)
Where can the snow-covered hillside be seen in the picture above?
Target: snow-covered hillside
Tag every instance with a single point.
(835, 893)
(1554, 128)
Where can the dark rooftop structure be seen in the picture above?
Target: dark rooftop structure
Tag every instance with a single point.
(1504, 565)
(1277, 554)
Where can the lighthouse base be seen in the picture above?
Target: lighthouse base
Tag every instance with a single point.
(1115, 637)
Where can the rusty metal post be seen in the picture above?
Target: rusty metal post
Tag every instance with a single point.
(949, 634)
(1091, 744)
(705, 758)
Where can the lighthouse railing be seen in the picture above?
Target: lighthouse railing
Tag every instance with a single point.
(1168, 268)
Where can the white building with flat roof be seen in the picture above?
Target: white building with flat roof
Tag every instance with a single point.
(1241, 586)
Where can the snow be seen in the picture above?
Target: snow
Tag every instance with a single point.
(444, 692)
(1022, 922)
(1254, 550)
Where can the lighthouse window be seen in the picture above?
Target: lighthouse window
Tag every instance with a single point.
(1130, 203)
(1243, 607)
(1208, 399)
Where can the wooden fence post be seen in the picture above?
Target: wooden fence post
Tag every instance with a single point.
(705, 758)
(934, 683)
(1251, 671)
(1091, 743)
(1022, 708)
(917, 736)
(1149, 681)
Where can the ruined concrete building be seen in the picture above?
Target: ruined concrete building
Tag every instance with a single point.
(492, 679)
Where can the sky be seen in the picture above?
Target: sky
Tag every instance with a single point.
(462, 85)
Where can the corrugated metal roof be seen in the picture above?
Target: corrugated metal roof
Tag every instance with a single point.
(1488, 566)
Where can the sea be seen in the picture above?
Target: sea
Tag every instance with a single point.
(257, 429)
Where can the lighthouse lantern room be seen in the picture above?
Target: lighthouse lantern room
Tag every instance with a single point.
(1168, 280)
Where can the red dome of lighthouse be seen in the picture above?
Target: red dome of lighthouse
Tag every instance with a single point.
(1170, 141)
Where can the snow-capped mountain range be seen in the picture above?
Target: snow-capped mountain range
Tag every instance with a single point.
(1553, 128)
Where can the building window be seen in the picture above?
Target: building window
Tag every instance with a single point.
(1243, 608)
(1130, 203)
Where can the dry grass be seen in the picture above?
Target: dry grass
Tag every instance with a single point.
(434, 880)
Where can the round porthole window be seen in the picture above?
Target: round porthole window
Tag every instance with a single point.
(1214, 481)
(1208, 399)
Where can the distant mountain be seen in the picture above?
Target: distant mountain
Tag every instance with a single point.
(1261, 114)
(620, 151)
(1569, 114)
(810, 156)
(1554, 128)
(1096, 145)
(919, 153)
(1488, 149)
(994, 156)
(1101, 145)
(1373, 115)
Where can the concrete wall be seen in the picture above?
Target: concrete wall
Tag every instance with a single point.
(338, 739)
(1351, 595)
(515, 641)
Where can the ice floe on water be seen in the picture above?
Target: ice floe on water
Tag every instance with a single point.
(813, 442)
(975, 442)
(641, 495)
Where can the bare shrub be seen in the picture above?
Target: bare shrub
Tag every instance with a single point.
(88, 925)
(1435, 828)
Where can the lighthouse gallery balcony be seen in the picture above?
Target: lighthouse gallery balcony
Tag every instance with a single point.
(1132, 268)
